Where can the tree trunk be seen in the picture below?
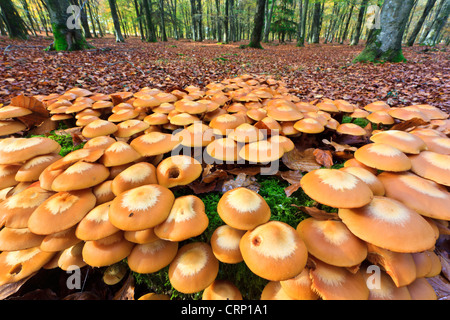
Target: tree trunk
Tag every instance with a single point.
(226, 21)
(64, 39)
(151, 34)
(347, 23)
(315, 27)
(255, 40)
(115, 16)
(358, 28)
(385, 44)
(268, 21)
(300, 31)
(219, 24)
(438, 24)
(14, 24)
(163, 22)
(199, 21)
(426, 11)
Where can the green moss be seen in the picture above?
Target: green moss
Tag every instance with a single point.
(65, 141)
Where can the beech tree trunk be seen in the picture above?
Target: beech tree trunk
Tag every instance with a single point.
(115, 16)
(385, 44)
(438, 24)
(426, 11)
(64, 39)
(255, 40)
(358, 28)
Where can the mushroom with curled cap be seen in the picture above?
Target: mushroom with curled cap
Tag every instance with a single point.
(152, 256)
(17, 265)
(433, 166)
(222, 290)
(9, 112)
(59, 241)
(225, 244)
(71, 257)
(114, 273)
(129, 128)
(31, 169)
(400, 266)
(382, 156)
(154, 143)
(422, 195)
(403, 141)
(389, 224)
(376, 106)
(119, 153)
(106, 251)
(194, 268)
(243, 208)
(186, 219)
(98, 128)
(286, 111)
(141, 207)
(14, 150)
(10, 127)
(336, 188)
(332, 242)
(81, 175)
(61, 211)
(337, 283)
(95, 225)
(136, 175)
(13, 239)
(17, 209)
(178, 170)
(8, 175)
(274, 251)
(299, 287)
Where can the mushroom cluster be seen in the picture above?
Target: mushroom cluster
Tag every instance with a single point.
(113, 199)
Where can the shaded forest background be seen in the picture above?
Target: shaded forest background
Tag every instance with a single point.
(174, 43)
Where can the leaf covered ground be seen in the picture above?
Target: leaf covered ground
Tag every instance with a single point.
(312, 72)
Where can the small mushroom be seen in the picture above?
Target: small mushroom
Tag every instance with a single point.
(243, 208)
(153, 256)
(194, 268)
(433, 166)
(225, 244)
(383, 157)
(141, 208)
(403, 141)
(186, 219)
(274, 291)
(178, 170)
(299, 287)
(136, 175)
(106, 251)
(95, 224)
(274, 251)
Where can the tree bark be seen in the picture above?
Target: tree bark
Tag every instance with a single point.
(255, 40)
(385, 44)
(163, 22)
(64, 39)
(268, 22)
(151, 34)
(115, 16)
(426, 11)
(436, 28)
(358, 28)
(14, 24)
(315, 27)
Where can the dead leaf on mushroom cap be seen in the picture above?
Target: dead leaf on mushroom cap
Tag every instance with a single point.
(40, 112)
(318, 213)
(323, 157)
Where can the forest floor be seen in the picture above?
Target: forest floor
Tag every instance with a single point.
(312, 72)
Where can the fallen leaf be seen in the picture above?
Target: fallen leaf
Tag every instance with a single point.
(323, 157)
(301, 160)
